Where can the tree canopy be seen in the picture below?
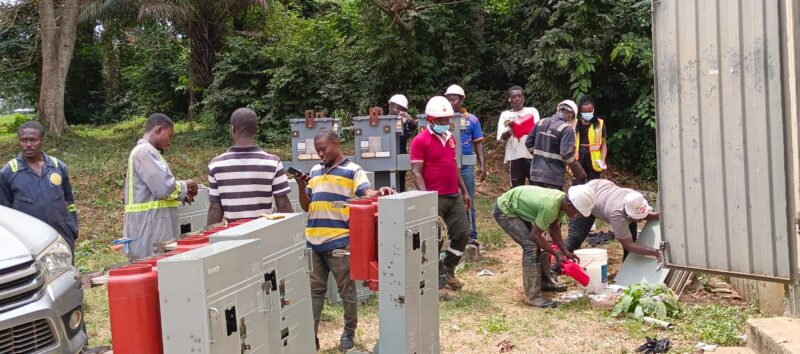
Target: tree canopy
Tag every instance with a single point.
(344, 56)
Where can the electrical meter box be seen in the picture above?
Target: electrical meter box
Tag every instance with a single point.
(304, 155)
(193, 217)
(408, 307)
(458, 126)
(283, 255)
(377, 142)
(218, 299)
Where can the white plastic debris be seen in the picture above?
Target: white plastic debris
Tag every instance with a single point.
(705, 347)
(485, 272)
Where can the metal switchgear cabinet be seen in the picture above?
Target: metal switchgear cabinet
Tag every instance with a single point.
(408, 307)
(304, 155)
(194, 217)
(217, 299)
(458, 126)
(377, 139)
(283, 256)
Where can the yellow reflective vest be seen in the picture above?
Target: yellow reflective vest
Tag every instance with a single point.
(595, 142)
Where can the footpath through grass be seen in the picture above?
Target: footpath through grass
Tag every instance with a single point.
(485, 313)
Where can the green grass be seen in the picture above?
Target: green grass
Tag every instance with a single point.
(6, 119)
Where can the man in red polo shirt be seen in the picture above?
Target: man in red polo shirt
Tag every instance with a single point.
(433, 164)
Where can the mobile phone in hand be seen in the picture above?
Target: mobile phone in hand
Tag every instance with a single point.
(294, 172)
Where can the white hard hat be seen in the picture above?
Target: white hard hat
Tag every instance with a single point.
(455, 90)
(568, 104)
(583, 198)
(400, 100)
(636, 206)
(438, 106)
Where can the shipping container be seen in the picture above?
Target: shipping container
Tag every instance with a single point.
(727, 136)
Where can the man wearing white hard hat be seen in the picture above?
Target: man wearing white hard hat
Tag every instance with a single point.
(433, 165)
(398, 106)
(525, 213)
(620, 207)
(471, 144)
(552, 143)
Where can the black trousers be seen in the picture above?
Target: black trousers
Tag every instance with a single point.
(520, 171)
(579, 229)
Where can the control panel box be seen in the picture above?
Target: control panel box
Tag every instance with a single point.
(304, 155)
(377, 142)
(458, 126)
(408, 307)
(193, 217)
(217, 299)
(285, 259)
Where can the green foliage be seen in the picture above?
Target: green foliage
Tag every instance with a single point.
(10, 123)
(653, 300)
(722, 325)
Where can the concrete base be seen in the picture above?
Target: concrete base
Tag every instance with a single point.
(734, 350)
(779, 335)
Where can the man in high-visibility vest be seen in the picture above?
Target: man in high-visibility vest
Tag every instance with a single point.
(152, 193)
(37, 184)
(590, 140)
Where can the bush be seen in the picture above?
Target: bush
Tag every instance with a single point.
(10, 123)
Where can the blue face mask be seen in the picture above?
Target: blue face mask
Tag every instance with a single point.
(440, 129)
(587, 116)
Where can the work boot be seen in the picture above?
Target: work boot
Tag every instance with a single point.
(347, 341)
(445, 295)
(531, 283)
(451, 282)
(316, 340)
(549, 282)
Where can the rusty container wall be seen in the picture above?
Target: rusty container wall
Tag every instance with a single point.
(724, 116)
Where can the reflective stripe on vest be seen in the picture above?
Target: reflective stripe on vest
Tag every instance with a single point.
(132, 207)
(15, 166)
(595, 142)
(156, 204)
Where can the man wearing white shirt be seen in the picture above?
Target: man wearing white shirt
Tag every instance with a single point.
(517, 155)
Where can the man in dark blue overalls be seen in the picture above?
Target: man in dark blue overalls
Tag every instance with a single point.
(38, 184)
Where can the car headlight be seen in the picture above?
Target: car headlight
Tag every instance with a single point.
(55, 259)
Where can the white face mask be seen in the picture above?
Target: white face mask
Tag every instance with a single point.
(587, 116)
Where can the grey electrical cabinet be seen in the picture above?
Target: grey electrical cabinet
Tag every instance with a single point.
(408, 307)
(218, 299)
(377, 141)
(285, 260)
(458, 126)
(193, 217)
(304, 155)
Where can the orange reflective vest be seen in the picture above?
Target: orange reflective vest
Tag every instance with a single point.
(595, 142)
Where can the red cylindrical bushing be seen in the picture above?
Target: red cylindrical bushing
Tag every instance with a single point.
(363, 238)
(151, 261)
(190, 243)
(134, 309)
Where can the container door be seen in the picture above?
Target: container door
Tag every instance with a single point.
(726, 132)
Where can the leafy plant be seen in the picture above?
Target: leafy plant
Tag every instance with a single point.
(653, 300)
(715, 324)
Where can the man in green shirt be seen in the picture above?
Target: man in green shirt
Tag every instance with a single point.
(542, 208)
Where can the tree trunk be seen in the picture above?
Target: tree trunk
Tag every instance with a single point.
(205, 38)
(58, 42)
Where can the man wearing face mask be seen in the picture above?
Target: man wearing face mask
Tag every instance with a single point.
(336, 179)
(152, 193)
(590, 139)
(433, 165)
(552, 143)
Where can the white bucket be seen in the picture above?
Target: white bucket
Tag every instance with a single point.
(594, 262)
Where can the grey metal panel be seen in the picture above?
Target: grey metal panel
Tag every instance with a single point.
(376, 147)
(304, 156)
(194, 217)
(722, 166)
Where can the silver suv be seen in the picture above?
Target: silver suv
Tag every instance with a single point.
(41, 303)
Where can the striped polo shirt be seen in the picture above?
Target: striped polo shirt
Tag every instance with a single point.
(329, 227)
(246, 180)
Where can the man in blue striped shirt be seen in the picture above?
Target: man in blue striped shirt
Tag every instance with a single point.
(336, 179)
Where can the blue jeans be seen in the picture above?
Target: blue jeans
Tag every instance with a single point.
(468, 175)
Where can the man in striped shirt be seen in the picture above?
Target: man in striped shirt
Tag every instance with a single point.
(336, 179)
(245, 181)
